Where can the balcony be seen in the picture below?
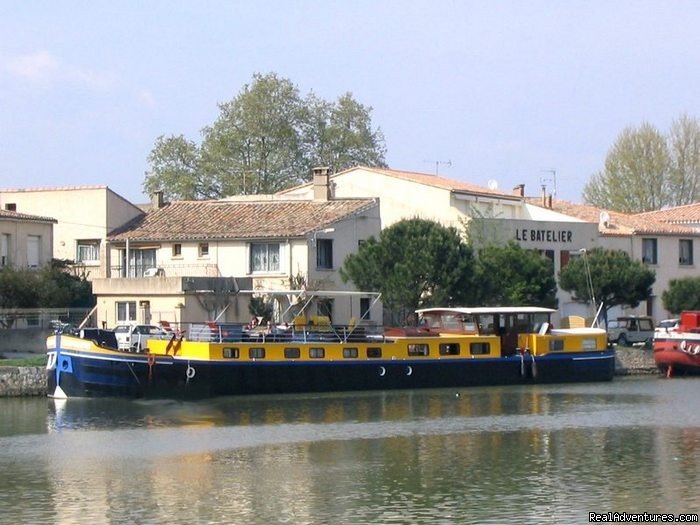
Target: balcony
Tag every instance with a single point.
(157, 271)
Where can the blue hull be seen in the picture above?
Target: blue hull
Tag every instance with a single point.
(86, 374)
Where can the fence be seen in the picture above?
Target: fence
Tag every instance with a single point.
(41, 318)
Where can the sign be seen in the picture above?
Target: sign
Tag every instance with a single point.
(526, 234)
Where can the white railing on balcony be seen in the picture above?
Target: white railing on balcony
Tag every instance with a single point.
(174, 270)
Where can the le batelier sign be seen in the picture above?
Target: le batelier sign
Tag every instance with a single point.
(543, 235)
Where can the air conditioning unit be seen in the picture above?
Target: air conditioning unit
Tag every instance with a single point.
(153, 272)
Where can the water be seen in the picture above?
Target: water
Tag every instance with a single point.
(543, 454)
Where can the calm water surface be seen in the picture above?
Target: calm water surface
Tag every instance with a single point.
(544, 454)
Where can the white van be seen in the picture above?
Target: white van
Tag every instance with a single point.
(134, 337)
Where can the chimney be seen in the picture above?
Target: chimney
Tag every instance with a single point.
(157, 200)
(544, 196)
(322, 189)
(519, 190)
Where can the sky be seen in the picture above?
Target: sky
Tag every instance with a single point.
(487, 92)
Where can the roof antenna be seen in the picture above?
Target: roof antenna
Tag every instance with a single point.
(437, 163)
(553, 180)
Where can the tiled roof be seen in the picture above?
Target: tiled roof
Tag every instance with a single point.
(212, 220)
(53, 188)
(429, 180)
(15, 216)
(618, 223)
(688, 214)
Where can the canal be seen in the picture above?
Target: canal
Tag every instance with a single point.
(536, 454)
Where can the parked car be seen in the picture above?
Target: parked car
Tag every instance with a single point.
(667, 325)
(133, 337)
(629, 330)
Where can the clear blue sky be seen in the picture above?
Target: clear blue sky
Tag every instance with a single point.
(504, 90)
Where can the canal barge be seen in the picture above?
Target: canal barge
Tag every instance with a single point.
(677, 352)
(444, 347)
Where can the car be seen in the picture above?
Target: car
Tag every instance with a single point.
(133, 337)
(667, 325)
(628, 330)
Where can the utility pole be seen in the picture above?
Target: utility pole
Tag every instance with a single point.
(437, 163)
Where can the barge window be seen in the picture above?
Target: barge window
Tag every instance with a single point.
(317, 353)
(418, 349)
(374, 352)
(480, 348)
(256, 353)
(231, 353)
(292, 353)
(449, 348)
(350, 353)
(556, 345)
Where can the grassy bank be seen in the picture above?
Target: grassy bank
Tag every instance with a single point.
(39, 360)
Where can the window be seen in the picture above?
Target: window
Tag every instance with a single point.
(231, 353)
(480, 348)
(292, 353)
(364, 307)
(33, 250)
(177, 250)
(5, 249)
(126, 311)
(324, 254)
(139, 261)
(11, 206)
(265, 257)
(556, 345)
(685, 252)
(374, 352)
(317, 353)
(87, 251)
(256, 353)
(649, 251)
(350, 353)
(449, 349)
(418, 349)
(204, 249)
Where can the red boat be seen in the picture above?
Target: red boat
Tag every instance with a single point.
(678, 352)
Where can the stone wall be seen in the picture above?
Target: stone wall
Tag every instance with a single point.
(634, 361)
(22, 381)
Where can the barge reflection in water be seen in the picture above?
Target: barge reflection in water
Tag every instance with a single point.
(542, 454)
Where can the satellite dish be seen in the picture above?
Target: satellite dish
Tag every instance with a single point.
(493, 184)
(604, 218)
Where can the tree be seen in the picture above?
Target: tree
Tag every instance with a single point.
(511, 275)
(340, 135)
(267, 138)
(636, 174)
(646, 170)
(176, 170)
(684, 149)
(415, 263)
(615, 278)
(682, 294)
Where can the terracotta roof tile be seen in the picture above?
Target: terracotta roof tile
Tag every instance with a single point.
(688, 214)
(619, 223)
(16, 216)
(211, 220)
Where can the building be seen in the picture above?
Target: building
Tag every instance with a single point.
(84, 215)
(25, 240)
(560, 230)
(185, 261)
(663, 240)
